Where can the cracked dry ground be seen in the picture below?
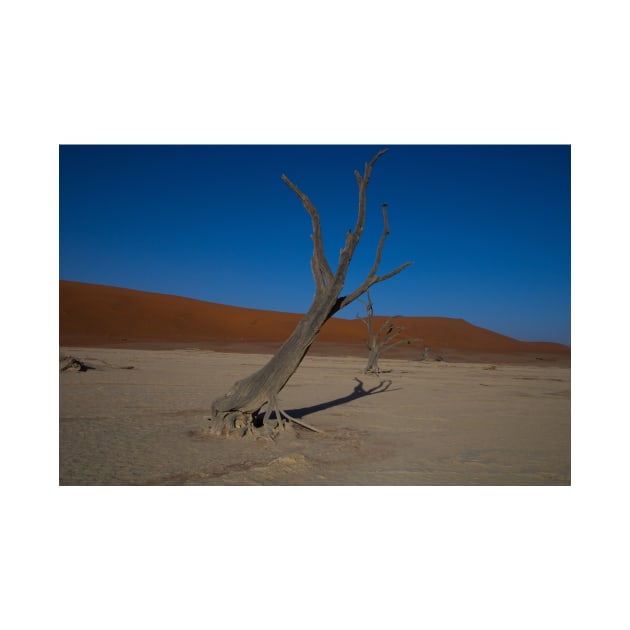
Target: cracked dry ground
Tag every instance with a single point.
(437, 424)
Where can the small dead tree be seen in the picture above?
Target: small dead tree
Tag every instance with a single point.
(381, 340)
(239, 411)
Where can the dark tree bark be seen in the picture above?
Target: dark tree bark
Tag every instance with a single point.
(239, 410)
(381, 340)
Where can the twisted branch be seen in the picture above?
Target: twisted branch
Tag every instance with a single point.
(325, 280)
(372, 278)
(322, 273)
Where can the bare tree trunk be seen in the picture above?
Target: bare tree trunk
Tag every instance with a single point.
(382, 340)
(239, 410)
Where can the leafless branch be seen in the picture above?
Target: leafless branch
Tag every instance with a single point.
(370, 281)
(320, 267)
(352, 239)
(238, 410)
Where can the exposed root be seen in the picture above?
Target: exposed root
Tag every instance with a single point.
(301, 423)
(282, 416)
(244, 424)
(227, 423)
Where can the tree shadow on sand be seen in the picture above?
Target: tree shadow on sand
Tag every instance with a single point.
(358, 392)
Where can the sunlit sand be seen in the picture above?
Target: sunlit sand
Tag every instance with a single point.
(427, 422)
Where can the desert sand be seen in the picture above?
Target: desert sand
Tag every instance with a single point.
(137, 417)
(95, 315)
(481, 409)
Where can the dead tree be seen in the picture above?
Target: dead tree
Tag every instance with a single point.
(381, 340)
(239, 411)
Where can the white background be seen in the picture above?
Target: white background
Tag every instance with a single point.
(332, 72)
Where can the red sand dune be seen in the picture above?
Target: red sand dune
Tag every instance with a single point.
(96, 315)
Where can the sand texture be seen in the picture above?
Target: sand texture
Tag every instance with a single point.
(95, 315)
(133, 416)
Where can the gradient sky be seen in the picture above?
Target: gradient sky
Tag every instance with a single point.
(488, 227)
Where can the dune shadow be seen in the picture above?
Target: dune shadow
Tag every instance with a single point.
(358, 392)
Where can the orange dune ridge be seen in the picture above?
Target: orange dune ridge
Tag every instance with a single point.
(97, 315)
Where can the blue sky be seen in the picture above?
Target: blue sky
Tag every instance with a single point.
(488, 227)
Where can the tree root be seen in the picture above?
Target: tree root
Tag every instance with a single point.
(244, 424)
(282, 416)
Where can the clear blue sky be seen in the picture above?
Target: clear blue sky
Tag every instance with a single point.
(488, 227)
